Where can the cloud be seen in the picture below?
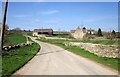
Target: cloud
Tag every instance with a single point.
(47, 21)
(49, 12)
(22, 16)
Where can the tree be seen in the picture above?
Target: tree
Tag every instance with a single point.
(6, 28)
(113, 34)
(16, 30)
(90, 33)
(99, 33)
(84, 28)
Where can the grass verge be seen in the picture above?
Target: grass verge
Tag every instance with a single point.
(16, 58)
(110, 62)
(104, 42)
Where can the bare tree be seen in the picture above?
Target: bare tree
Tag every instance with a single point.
(16, 30)
(6, 28)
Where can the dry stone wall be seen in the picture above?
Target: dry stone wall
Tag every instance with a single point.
(16, 46)
(111, 51)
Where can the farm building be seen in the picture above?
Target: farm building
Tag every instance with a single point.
(92, 31)
(80, 33)
(43, 32)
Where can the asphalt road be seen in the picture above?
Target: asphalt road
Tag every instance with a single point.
(53, 60)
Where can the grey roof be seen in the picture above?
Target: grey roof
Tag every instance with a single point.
(90, 30)
(43, 30)
(72, 31)
(84, 30)
(78, 27)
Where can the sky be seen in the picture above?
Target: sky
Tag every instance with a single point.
(63, 16)
(61, 0)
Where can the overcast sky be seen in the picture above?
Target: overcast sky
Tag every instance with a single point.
(63, 15)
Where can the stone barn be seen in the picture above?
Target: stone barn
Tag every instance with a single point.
(78, 33)
(42, 32)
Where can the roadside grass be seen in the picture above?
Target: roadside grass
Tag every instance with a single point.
(104, 42)
(110, 62)
(14, 38)
(16, 58)
(29, 39)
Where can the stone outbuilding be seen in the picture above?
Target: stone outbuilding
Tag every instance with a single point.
(80, 33)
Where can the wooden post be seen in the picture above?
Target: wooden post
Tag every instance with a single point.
(3, 26)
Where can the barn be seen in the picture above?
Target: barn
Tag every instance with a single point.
(45, 32)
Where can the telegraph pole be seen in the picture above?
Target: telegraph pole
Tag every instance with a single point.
(3, 25)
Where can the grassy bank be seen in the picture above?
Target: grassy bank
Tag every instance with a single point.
(16, 58)
(110, 62)
(14, 38)
(13, 59)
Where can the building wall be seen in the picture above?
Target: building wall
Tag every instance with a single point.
(92, 32)
(44, 34)
(35, 33)
(78, 34)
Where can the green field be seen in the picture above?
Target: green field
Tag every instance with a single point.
(110, 62)
(105, 42)
(13, 39)
(27, 33)
(13, 59)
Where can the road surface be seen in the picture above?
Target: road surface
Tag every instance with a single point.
(53, 60)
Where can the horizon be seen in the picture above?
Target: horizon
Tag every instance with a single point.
(63, 16)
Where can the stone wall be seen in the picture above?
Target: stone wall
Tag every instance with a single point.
(111, 51)
(6, 48)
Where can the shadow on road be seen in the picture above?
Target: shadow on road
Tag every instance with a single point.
(26, 54)
(52, 52)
